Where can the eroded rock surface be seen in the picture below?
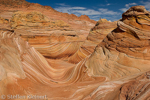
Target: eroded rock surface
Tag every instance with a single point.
(24, 71)
(39, 25)
(96, 35)
(134, 88)
(117, 69)
(23, 20)
(125, 50)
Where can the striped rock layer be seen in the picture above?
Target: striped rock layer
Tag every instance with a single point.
(39, 25)
(24, 71)
(125, 51)
(118, 69)
(96, 35)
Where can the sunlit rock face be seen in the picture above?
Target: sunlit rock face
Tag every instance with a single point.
(116, 68)
(100, 30)
(96, 35)
(43, 27)
(33, 20)
(24, 71)
(123, 58)
(45, 39)
(125, 51)
(135, 87)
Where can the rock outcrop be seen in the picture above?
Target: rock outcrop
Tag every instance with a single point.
(123, 58)
(48, 56)
(101, 30)
(46, 42)
(96, 35)
(125, 51)
(21, 4)
(39, 25)
(24, 71)
(34, 20)
(133, 88)
(3, 21)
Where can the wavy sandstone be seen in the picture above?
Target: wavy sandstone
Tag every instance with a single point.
(113, 68)
(39, 24)
(122, 57)
(52, 43)
(125, 51)
(133, 88)
(23, 70)
(96, 35)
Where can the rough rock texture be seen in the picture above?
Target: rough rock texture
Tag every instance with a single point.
(125, 51)
(3, 21)
(33, 20)
(134, 88)
(96, 35)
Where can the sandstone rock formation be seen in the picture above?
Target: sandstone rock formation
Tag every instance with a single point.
(122, 57)
(125, 51)
(100, 30)
(34, 20)
(133, 88)
(96, 35)
(3, 21)
(39, 25)
(25, 71)
(113, 68)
